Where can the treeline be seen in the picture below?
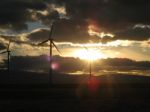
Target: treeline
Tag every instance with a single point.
(70, 64)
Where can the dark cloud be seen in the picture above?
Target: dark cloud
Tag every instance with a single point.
(47, 19)
(4, 41)
(112, 15)
(2, 46)
(38, 35)
(8, 37)
(110, 12)
(66, 31)
(134, 34)
(15, 12)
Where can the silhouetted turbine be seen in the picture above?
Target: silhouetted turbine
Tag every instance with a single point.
(51, 44)
(8, 56)
(90, 66)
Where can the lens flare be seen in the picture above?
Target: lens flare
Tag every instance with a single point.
(55, 66)
(48, 58)
(89, 87)
(93, 84)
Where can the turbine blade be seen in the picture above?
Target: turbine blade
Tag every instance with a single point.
(10, 54)
(8, 45)
(56, 47)
(86, 48)
(3, 52)
(51, 30)
(43, 42)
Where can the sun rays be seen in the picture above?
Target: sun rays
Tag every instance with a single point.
(89, 55)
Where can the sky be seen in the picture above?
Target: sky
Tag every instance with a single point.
(108, 28)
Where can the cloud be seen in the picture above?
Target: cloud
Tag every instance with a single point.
(4, 42)
(112, 15)
(22, 46)
(2, 47)
(111, 12)
(115, 17)
(65, 31)
(52, 12)
(136, 33)
(15, 13)
(15, 39)
(18, 45)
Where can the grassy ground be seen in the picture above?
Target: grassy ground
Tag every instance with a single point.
(79, 98)
(113, 94)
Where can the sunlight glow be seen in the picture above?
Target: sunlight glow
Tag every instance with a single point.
(91, 54)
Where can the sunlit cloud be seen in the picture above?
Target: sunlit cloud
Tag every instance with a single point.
(50, 8)
(102, 35)
(23, 38)
(141, 26)
(145, 44)
(21, 45)
(45, 12)
(94, 31)
(3, 40)
(60, 9)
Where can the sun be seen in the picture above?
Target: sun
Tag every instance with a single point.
(89, 55)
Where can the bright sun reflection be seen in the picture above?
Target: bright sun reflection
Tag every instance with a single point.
(91, 54)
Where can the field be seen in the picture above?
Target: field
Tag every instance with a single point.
(115, 93)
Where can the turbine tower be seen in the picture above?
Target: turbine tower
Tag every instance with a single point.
(90, 63)
(8, 55)
(51, 44)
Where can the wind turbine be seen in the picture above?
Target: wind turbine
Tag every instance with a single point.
(8, 55)
(90, 63)
(51, 44)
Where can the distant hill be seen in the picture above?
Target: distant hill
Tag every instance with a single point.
(41, 63)
(24, 77)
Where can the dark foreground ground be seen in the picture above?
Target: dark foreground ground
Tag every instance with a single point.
(116, 94)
